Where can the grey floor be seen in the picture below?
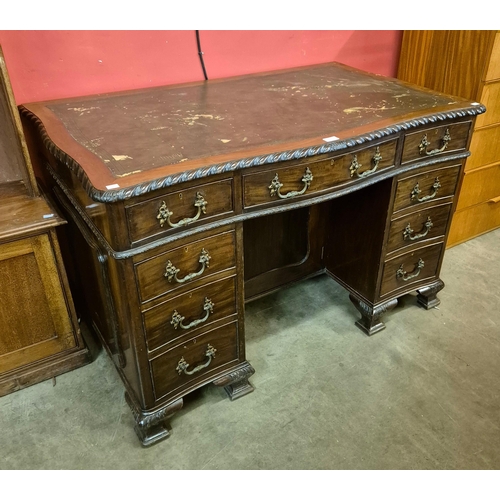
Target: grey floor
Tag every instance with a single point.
(422, 394)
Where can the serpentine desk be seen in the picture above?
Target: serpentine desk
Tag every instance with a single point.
(187, 200)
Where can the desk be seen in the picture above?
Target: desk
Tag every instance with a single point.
(188, 200)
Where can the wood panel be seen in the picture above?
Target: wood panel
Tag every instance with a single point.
(490, 97)
(434, 58)
(408, 263)
(474, 221)
(34, 318)
(479, 186)
(426, 181)
(166, 379)
(484, 147)
(493, 72)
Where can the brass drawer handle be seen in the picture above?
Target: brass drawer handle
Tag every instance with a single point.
(171, 271)
(355, 165)
(276, 185)
(182, 366)
(164, 213)
(403, 275)
(424, 143)
(416, 191)
(177, 319)
(408, 231)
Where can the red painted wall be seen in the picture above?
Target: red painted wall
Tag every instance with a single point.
(56, 64)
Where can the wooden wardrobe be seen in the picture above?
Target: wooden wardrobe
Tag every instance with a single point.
(465, 64)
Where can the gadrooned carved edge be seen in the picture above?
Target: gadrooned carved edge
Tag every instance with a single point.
(373, 311)
(219, 168)
(237, 375)
(144, 420)
(431, 289)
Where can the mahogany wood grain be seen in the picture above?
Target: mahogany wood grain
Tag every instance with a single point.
(143, 217)
(226, 140)
(438, 215)
(167, 380)
(151, 278)
(459, 134)
(447, 177)
(430, 255)
(326, 174)
(158, 321)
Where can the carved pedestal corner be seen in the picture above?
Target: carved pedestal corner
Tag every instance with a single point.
(151, 427)
(236, 383)
(370, 321)
(427, 296)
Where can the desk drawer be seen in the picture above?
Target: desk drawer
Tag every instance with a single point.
(428, 185)
(409, 269)
(185, 265)
(436, 141)
(205, 357)
(179, 209)
(275, 184)
(418, 226)
(188, 313)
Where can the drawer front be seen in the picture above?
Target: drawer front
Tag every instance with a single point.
(188, 313)
(185, 265)
(200, 358)
(490, 97)
(473, 221)
(276, 185)
(479, 186)
(418, 226)
(484, 147)
(410, 269)
(434, 142)
(180, 209)
(418, 189)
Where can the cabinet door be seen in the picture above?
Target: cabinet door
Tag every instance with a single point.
(35, 320)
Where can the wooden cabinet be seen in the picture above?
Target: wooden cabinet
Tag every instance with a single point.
(466, 64)
(39, 332)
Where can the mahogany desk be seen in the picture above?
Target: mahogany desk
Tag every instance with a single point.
(187, 200)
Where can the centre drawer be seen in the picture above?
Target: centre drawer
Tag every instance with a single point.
(411, 268)
(195, 361)
(189, 312)
(275, 184)
(426, 185)
(184, 265)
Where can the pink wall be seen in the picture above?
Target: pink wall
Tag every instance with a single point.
(56, 64)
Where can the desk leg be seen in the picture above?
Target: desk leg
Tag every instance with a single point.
(370, 321)
(427, 296)
(151, 427)
(236, 383)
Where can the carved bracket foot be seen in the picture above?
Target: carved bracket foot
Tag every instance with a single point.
(427, 296)
(151, 427)
(236, 382)
(370, 321)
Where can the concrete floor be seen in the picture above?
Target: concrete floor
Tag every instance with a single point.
(422, 394)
